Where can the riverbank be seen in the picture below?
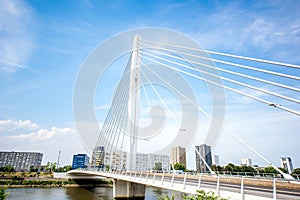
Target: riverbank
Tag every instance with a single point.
(51, 183)
(46, 180)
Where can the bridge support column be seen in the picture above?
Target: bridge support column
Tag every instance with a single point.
(125, 189)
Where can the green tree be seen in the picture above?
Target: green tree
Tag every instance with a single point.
(202, 195)
(216, 168)
(247, 169)
(269, 170)
(229, 167)
(64, 168)
(3, 194)
(178, 166)
(282, 169)
(157, 166)
(34, 169)
(296, 171)
(50, 167)
(7, 169)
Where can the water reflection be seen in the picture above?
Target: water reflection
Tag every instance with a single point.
(87, 193)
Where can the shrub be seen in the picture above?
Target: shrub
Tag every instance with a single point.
(3, 194)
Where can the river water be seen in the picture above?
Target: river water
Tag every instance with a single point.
(90, 193)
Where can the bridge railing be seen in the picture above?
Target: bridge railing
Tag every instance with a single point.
(223, 173)
(171, 179)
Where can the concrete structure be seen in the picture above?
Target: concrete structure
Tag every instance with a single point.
(21, 161)
(148, 162)
(205, 152)
(286, 163)
(128, 184)
(215, 160)
(125, 189)
(80, 161)
(98, 157)
(246, 162)
(133, 103)
(178, 155)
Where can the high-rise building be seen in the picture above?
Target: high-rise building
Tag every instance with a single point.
(215, 160)
(98, 157)
(80, 161)
(178, 155)
(286, 163)
(205, 152)
(148, 162)
(21, 161)
(116, 159)
(246, 162)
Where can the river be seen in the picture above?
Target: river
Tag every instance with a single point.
(90, 193)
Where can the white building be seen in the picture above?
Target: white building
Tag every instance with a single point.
(178, 155)
(148, 162)
(286, 163)
(215, 160)
(246, 161)
(21, 161)
(116, 159)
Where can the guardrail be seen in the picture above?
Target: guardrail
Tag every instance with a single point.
(168, 178)
(223, 173)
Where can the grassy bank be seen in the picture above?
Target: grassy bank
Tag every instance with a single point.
(25, 175)
(49, 183)
(43, 179)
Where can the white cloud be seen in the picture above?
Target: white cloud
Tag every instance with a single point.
(28, 136)
(260, 30)
(16, 37)
(43, 134)
(10, 125)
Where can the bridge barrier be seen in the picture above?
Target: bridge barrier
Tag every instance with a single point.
(178, 182)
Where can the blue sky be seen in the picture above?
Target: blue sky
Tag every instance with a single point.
(44, 43)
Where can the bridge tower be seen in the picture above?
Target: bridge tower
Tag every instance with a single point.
(125, 189)
(134, 103)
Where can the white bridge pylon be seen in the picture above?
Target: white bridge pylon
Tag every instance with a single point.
(133, 103)
(160, 54)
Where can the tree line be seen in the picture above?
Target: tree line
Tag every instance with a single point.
(50, 167)
(235, 169)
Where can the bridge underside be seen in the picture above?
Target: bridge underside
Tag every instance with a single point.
(125, 189)
(121, 188)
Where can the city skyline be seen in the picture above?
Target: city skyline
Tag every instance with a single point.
(45, 43)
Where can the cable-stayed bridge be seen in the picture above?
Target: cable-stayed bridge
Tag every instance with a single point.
(154, 63)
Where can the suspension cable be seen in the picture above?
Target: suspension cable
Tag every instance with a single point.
(227, 55)
(228, 79)
(247, 67)
(164, 103)
(220, 69)
(228, 88)
(226, 129)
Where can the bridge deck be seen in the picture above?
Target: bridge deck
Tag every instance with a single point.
(189, 184)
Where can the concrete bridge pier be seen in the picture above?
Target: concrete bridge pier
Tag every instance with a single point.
(125, 189)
